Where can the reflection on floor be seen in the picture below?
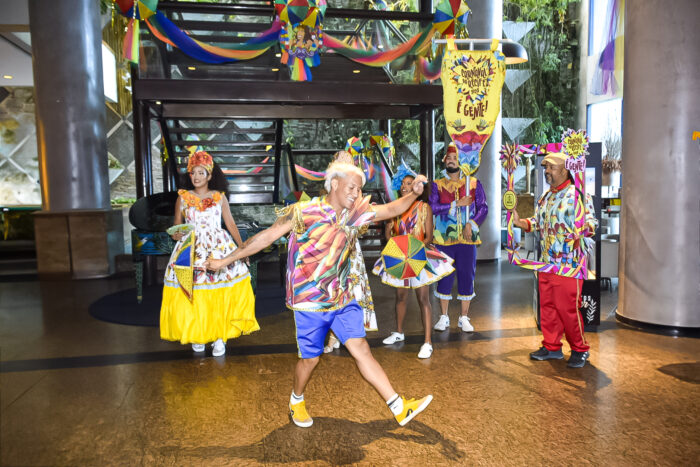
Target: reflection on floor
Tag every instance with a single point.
(77, 391)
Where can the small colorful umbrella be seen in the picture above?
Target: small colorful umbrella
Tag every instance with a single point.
(447, 12)
(404, 256)
(354, 146)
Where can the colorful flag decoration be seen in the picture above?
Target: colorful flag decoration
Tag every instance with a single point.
(471, 83)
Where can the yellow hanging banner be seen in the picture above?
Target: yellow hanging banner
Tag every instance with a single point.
(471, 87)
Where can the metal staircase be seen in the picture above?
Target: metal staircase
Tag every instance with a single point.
(244, 149)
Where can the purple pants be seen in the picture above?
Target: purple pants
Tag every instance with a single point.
(465, 268)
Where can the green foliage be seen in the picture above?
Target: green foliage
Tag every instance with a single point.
(550, 95)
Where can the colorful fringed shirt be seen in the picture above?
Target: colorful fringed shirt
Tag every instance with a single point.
(320, 245)
(554, 220)
(450, 219)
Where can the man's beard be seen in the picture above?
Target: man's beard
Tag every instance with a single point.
(451, 170)
(548, 179)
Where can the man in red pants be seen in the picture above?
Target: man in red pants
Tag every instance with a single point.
(560, 297)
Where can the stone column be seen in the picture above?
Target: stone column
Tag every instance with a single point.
(486, 22)
(75, 223)
(660, 244)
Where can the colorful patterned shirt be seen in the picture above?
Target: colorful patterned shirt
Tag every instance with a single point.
(554, 220)
(320, 246)
(449, 218)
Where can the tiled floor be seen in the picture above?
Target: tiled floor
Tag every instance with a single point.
(77, 391)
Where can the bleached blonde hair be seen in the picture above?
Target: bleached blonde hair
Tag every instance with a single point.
(340, 170)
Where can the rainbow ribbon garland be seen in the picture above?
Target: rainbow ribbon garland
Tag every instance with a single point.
(575, 144)
(292, 15)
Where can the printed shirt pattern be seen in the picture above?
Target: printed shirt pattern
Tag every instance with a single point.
(320, 245)
(554, 220)
(450, 219)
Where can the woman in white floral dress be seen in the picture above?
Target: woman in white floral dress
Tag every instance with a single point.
(222, 304)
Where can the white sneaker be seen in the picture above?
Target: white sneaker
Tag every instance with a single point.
(465, 324)
(394, 338)
(335, 344)
(443, 323)
(219, 348)
(198, 347)
(426, 350)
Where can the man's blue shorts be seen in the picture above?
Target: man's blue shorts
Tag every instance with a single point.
(312, 327)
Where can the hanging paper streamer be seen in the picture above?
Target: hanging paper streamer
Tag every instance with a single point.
(309, 174)
(298, 27)
(575, 145)
(472, 82)
(252, 170)
(386, 182)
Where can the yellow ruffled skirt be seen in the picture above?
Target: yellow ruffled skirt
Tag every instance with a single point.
(218, 312)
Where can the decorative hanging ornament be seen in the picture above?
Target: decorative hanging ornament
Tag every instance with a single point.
(447, 13)
(472, 81)
(135, 11)
(354, 146)
(301, 37)
(385, 144)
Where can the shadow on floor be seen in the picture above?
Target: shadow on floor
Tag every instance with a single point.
(587, 380)
(688, 372)
(333, 440)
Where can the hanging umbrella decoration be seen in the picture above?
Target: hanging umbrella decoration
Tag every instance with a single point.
(404, 256)
(385, 145)
(301, 37)
(448, 13)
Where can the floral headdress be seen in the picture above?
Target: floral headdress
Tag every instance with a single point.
(402, 172)
(200, 158)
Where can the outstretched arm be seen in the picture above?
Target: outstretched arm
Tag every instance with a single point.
(393, 209)
(258, 242)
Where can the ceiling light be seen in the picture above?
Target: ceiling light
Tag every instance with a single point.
(275, 69)
(157, 102)
(7, 76)
(278, 55)
(356, 71)
(191, 68)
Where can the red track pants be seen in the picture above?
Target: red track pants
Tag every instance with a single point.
(560, 299)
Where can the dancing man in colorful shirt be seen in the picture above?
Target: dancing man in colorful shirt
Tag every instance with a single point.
(560, 296)
(323, 233)
(458, 215)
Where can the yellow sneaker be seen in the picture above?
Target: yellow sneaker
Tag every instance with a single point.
(300, 416)
(411, 408)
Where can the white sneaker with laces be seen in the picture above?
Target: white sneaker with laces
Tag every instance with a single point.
(465, 324)
(426, 350)
(443, 323)
(394, 338)
(219, 348)
(198, 347)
